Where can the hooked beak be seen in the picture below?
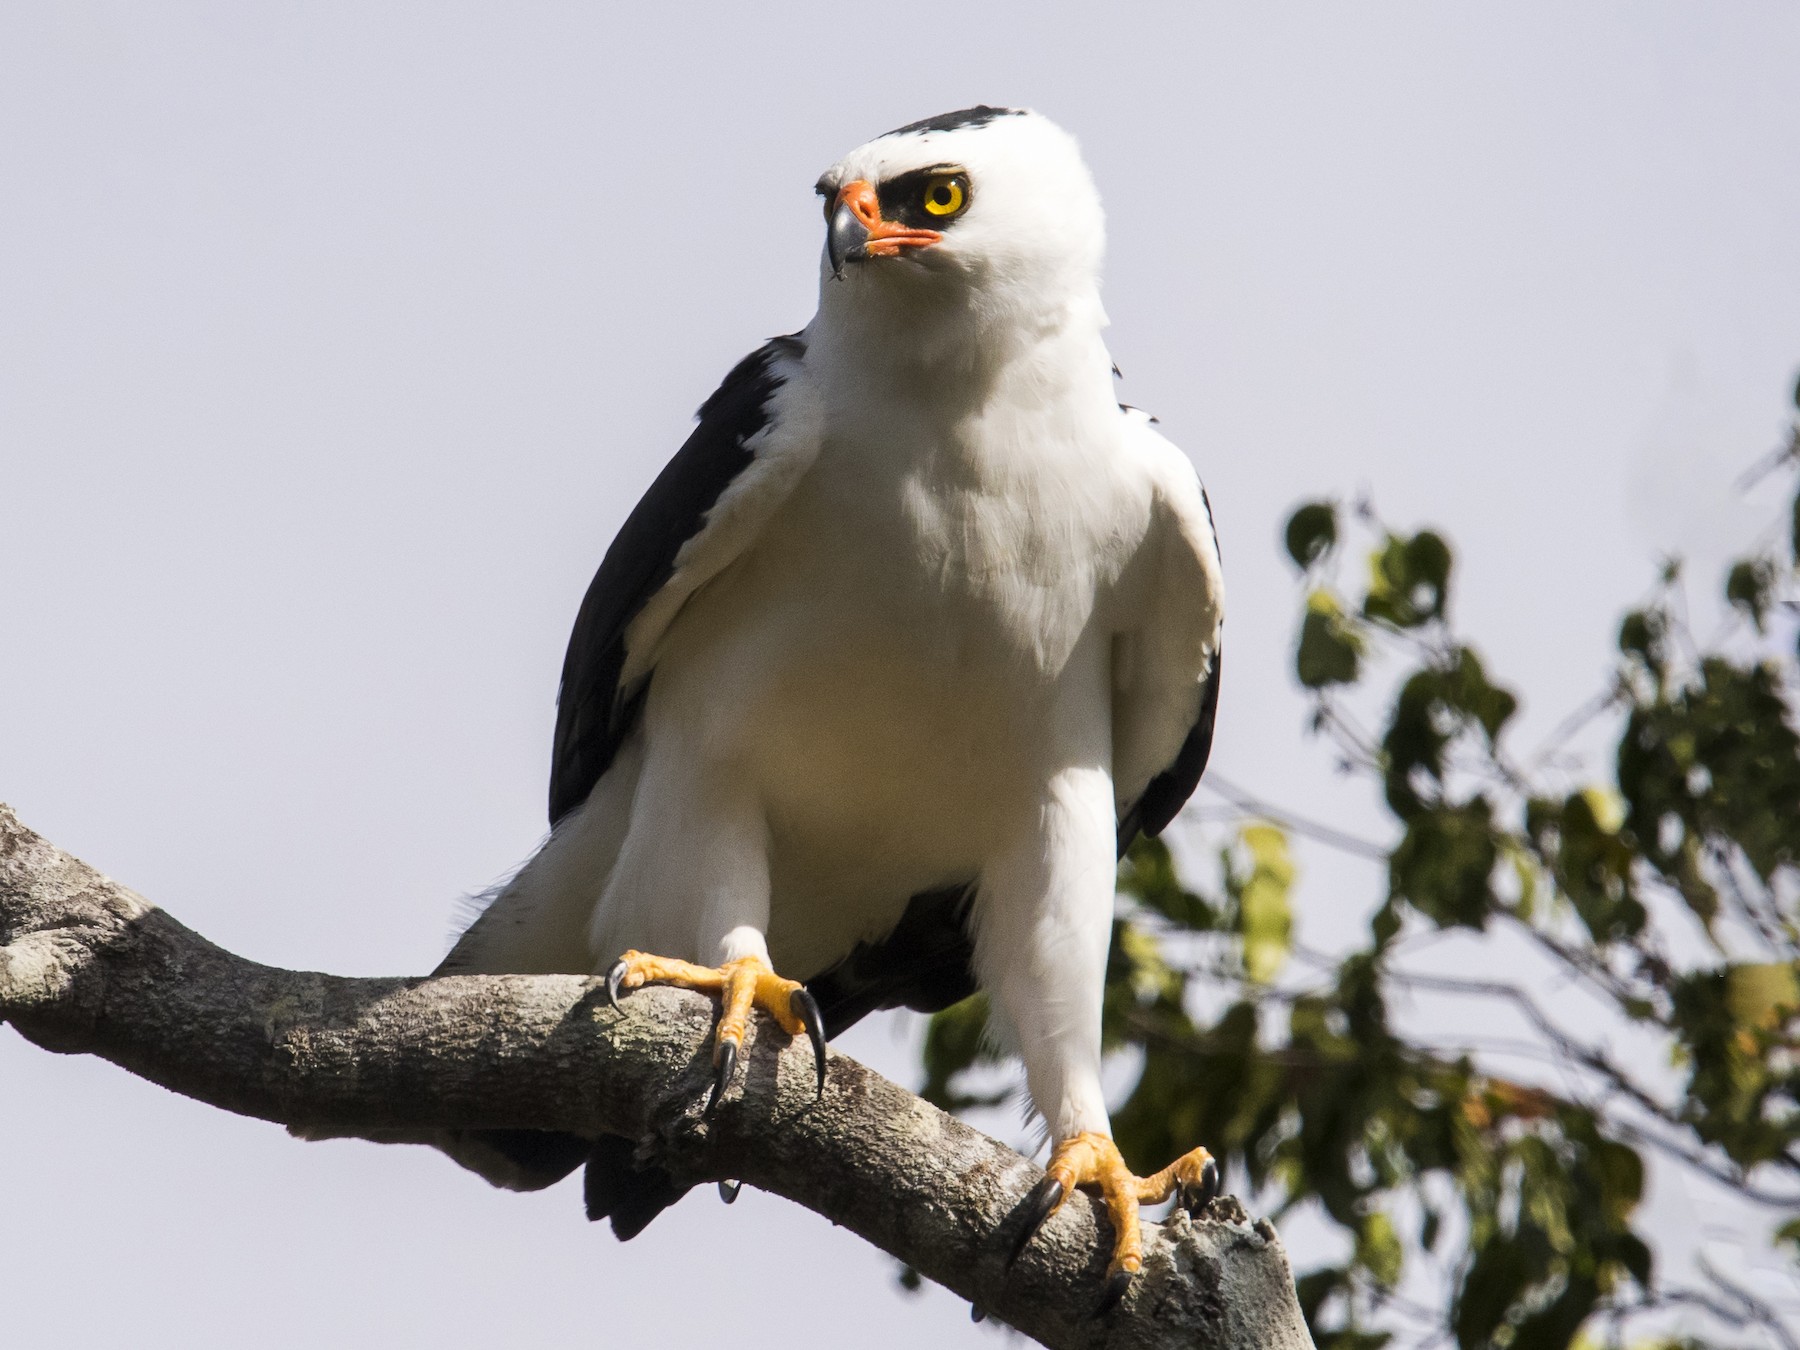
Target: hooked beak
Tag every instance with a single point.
(857, 230)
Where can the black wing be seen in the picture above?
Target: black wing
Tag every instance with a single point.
(594, 714)
(926, 964)
(1168, 792)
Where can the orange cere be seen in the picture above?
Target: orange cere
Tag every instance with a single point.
(886, 239)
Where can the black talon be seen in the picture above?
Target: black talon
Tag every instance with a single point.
(722, 1075)
(1116, 1285)
(728, 1191)
(976, 1315)
(615, 976)
(804, 1006)
(1195, 1199)
(1038, 1206)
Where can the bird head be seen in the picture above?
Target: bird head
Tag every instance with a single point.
(986, 208)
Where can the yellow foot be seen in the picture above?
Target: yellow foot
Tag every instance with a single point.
(741, 985)
(1093, 1160)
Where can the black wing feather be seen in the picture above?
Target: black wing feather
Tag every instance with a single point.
(1168, 792)
(593, 713)
(926, 963)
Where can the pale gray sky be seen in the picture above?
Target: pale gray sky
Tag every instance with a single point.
(336, 340)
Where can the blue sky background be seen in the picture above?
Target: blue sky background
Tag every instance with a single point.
(337, 340)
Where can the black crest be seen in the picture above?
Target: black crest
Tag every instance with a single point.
(978, 116)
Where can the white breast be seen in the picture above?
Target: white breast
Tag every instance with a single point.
(915, 641)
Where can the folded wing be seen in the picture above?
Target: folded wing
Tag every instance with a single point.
(708, 504)
(1167, 652)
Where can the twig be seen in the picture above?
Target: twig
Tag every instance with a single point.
(1250, 804)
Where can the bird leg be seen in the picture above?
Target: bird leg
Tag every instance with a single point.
(1093, 1160)
(741, 985)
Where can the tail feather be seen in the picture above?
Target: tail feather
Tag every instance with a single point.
(515, 1160)
(926, 963)
(616, 1188)
(543, 1156)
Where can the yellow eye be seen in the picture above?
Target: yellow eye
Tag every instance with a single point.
(945, 196)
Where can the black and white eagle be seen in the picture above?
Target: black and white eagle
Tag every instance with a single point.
(912, 637)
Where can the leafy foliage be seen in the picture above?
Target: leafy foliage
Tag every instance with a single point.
(1667, 891)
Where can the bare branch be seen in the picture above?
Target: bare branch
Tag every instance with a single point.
(1251, 805)
(1575, 1052)
(88, 967)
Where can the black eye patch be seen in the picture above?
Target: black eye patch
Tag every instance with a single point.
(902, 197)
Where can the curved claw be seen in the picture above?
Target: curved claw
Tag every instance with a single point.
(728, 1057)
(804, 1006)
(1116, 1285)
(728, 1191)
(1195, 1199)
(976, 1315)
(615, 976)
(1038, 1206)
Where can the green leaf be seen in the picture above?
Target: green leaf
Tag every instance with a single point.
(1496, 1279)
(955, 1039)
(1265, 917)
(1788, 1235)
(1606, 806)
(1147, 875)
(1719, 756)
(1592, 862)
(1378, 1249)
(1313, 1288)
(1384, 925)
(1435, 705)
(1149, 975)
(1620, 1174)
(1469, 692)
(1735, 1088)
(1409, 580)
(1643, 635)
(1554, 1326)
(1637, 1258)
(1414, 745)
(1311, 533)
(1444, 864)
(1525, 876)
(1750, 587)
(1330, 650)
(1762, 995)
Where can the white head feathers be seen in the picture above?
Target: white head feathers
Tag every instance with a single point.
(987, 215)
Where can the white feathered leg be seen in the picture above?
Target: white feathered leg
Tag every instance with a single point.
(1043, 924)
(692, 878)
(1043, 920)
(700, 836)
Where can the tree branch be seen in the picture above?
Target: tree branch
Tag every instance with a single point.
(88, 967)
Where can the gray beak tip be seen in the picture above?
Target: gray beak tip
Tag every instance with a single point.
(845, 239)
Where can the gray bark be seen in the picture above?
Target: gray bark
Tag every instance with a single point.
(89, 967)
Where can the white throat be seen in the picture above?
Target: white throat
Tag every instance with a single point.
(933, 330)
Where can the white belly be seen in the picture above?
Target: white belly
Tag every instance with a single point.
(896, 671)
